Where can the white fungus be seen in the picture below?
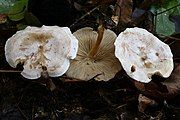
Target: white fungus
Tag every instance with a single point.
(142, 54)
(49, 47)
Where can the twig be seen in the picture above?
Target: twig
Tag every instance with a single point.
(155, 22)
(171, 43)
(88, 13)
(119, 90)
(176, 58)
(174, 38)
(22, 113)
(70, 79)
(121, 106)
(10, 71)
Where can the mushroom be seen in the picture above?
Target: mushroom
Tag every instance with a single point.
(95, 57)
(48, 48)
(142, 54)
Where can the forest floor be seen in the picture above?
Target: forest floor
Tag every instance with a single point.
(120, 98)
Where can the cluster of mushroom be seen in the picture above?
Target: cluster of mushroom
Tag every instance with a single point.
(95, 54)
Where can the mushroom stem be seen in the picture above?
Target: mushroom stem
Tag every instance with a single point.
(45, 78)
(95, 48)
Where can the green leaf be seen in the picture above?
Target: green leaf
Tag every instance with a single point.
(172, 6)
(5, 5)
(16, 12)
(176, 10)
(16, 17)
(163, 25)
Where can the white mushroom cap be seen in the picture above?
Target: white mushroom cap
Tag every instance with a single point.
(104, 64)
(48, 46)
(143, 55)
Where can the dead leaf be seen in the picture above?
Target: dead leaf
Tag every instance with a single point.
(3, 18)
(155, 91)
(173, 82)
(124, 12)
(115, 19)
(140, 86)
(144, 102)
(168, 89)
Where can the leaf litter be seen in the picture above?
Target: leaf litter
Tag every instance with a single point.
(74, 99)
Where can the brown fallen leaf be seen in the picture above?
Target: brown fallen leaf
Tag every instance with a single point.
(144, 102)
(173, 83)
(140, 86)
(3, 18)
(155, 91)
(115, 19)
(161, 91)
(124, 12)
